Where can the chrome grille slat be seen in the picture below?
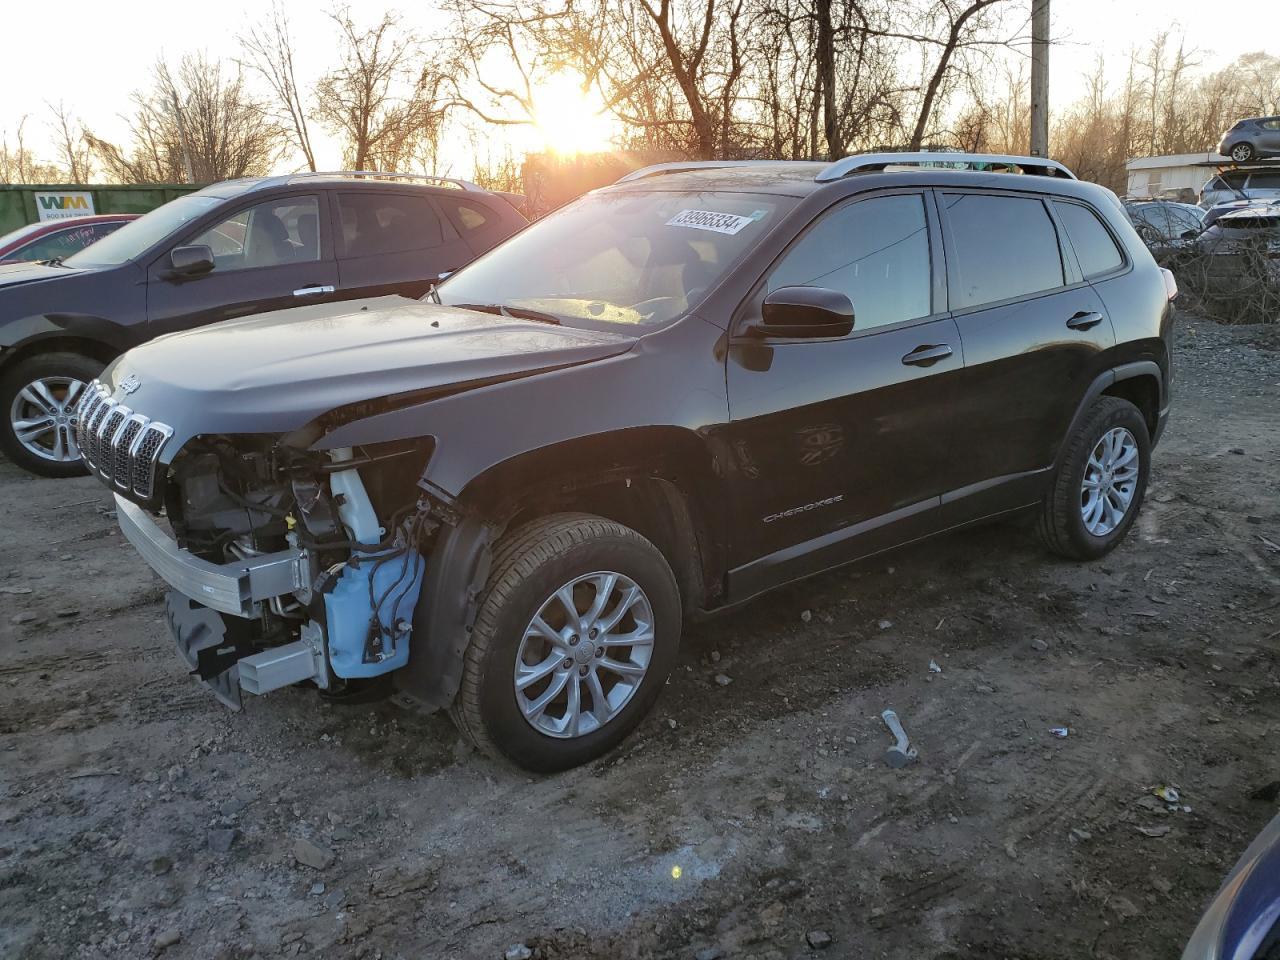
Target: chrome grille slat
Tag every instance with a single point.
(121, 446)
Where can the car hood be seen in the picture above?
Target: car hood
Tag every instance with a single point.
(18, 274)
(276, 372)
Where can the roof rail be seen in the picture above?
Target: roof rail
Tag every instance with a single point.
(878, 161)
(679, 166)
(373, 175)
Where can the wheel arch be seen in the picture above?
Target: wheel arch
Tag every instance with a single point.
(96, 349)
(1141, 382)
(655, 480)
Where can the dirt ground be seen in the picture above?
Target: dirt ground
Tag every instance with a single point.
(138, 816)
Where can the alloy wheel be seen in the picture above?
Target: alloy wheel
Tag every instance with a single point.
(1110, 481)
(1241, 152)
(43, 418)
(584, 654)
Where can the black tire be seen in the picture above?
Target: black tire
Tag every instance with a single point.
(72, 365)
(1061, 526)
(530, 563)
(1245, 150)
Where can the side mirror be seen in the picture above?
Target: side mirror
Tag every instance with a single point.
(805, 312)
(192, 261)
(1190, 234)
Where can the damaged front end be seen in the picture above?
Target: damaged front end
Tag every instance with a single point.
(288, 565)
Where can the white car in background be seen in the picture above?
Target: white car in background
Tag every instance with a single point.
(1241, 184)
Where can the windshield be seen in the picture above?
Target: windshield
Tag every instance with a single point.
(626, 257)
(139, 235)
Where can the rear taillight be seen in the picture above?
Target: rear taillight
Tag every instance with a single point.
(1170, 284)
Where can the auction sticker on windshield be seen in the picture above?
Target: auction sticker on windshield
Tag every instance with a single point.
(709, 220)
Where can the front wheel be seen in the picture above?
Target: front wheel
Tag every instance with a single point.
(577, 630)
(1100, 482)
(38, 397)
(1242, 153)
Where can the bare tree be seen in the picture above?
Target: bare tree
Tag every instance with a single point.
(197, 124)
(73, 150)
(269, 47)
(386, 98)
(19, 165)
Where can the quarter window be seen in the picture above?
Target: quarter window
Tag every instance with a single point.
(375, 223)
(266, 235)
(1096, 251)
(1003, 247)
(875, 251)
(469, 217)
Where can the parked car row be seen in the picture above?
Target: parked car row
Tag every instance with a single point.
(232, 249)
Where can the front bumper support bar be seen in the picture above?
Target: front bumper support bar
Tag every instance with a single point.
(235, 588)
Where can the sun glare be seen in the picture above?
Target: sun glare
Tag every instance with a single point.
(569, 120)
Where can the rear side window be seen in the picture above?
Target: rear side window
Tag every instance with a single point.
(468, 217)
(376, 223)
(875, 251)
(1004, 247)
(1264, 181)
(1096, 251)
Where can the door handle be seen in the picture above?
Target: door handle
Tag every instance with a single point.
(927, 355)
(1084, 320)
(314, 291)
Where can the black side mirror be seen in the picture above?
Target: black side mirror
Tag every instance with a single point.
(192, 261)
(1190, 234)
(805, 312)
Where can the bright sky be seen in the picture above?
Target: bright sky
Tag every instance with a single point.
(93, 54)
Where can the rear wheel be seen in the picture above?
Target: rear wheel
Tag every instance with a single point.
(1242, 152)
(576, 633)
(38, 397)
(1100, 482)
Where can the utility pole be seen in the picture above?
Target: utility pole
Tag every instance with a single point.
(1039, 78)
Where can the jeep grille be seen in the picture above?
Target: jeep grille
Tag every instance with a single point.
(121, 446)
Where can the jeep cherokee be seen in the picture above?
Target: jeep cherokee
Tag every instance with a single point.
(673, 394)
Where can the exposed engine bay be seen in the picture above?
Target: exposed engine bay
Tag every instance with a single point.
(356, 529)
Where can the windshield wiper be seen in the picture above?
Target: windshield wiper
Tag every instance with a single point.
(518, 313)
(52, 262)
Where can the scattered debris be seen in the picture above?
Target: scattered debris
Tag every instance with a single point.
(518, 951)
(818, 939)
(1167, 794)
(16, 591)
(709, 953)
(885, 624)
(806, 615)
(1079, 835)
(901, 753)
(1060, 732)
(723, 679)
(933, 667)
(312, 854)
(25, 617)
(1039, 645)
(1158, 831)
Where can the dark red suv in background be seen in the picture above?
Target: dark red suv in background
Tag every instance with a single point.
(58, 239)
(229, 250)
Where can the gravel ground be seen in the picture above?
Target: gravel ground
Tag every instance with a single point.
(754, 818)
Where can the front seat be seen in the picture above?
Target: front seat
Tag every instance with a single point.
(268, 241)
(308, 238)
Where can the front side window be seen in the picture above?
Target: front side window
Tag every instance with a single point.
(265, 235)
(375, 224)
(1003, 247)
(138, 236)
(874, 251)
(627, 257)
(1094, 248)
